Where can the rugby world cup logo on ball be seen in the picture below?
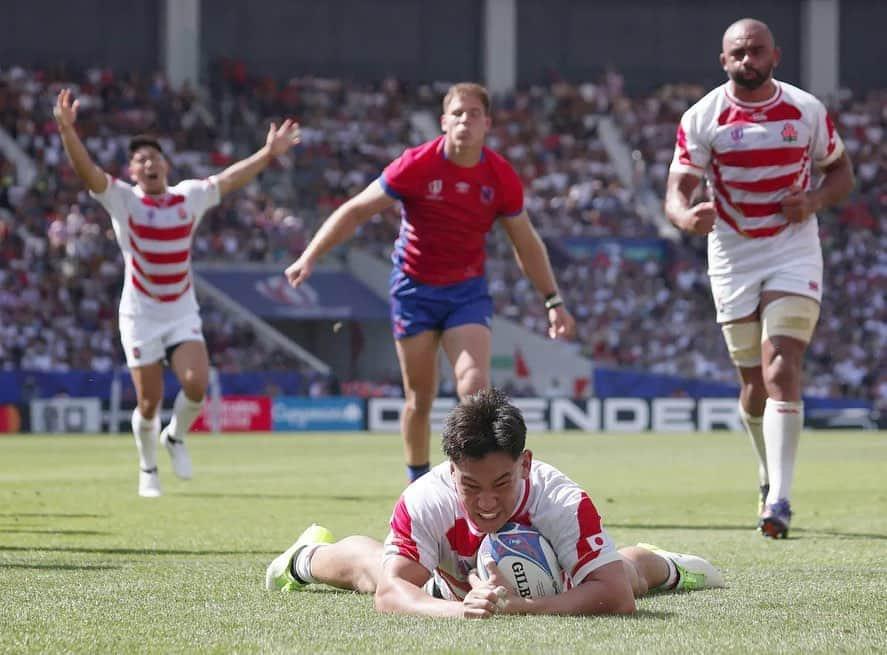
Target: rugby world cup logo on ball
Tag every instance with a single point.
(525, 558)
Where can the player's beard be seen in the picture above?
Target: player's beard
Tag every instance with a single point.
(751, 83)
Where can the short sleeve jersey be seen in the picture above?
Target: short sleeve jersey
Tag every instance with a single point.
(155, 234)
(448, 210)
(754, 153)
(430, 526)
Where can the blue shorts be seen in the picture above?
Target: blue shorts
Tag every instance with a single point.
(417, 307)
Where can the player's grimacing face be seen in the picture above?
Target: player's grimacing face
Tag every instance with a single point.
(490, 487)
(749, 58)
(148, 169)
(465, 121)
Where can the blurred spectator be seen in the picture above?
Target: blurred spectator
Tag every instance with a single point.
(60, 269)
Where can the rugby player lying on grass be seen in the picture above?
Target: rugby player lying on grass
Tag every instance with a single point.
(426, 565)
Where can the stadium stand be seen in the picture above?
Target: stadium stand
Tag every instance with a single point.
(641, 301)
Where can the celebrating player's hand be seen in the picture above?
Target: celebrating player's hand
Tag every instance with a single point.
(298, 271)
(700, 219)
(65, 111)
(561, 324)
(797, 205)
(280, 139)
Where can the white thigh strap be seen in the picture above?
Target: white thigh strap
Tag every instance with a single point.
(790, 316)
(743, 343)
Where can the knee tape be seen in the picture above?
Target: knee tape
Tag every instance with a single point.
(743, 343)
(790, 316)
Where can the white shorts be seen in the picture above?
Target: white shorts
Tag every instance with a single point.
(769, 265)
(146, 341)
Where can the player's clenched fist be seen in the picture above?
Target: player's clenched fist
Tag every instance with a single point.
(700, 219)
(298, 272)
(483, 602)
(798, 205)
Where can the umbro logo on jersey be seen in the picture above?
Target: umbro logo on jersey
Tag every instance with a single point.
(463, 187)
(759, 116)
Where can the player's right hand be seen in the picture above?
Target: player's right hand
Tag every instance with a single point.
(700, 219)
(298, 271)
(65, 111)
(484, 600)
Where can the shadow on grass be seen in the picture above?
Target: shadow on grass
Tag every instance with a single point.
(642, 614)
(663, 526)
(59, 532)
(836, 533)
(61, 567)
(747, 528)
(130, 551)
(56, 516)
(345, 499)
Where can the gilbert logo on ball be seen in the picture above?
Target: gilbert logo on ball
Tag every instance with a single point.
(525, 558)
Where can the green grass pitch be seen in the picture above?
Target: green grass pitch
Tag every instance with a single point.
(87, 566)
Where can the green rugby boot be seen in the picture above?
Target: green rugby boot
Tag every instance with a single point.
(279, 575)
(693, 572)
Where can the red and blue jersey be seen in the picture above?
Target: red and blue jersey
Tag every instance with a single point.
(448, 211)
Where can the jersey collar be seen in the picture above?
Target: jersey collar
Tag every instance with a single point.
(772, 100)
(443, 153)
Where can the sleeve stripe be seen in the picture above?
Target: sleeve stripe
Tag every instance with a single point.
(388, 189)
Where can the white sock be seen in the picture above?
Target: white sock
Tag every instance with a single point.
(184, 412)
(302, 563)
(672, 578)
(754, 427)
(783, 422)
(145, 432)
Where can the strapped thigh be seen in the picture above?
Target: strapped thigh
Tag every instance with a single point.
(790, 316)
(743, 343)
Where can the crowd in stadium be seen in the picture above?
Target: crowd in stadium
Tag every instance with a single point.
(60, 268)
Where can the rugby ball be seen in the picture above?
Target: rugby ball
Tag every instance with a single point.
(525, 558)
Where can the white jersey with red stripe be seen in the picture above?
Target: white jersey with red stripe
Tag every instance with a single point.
(752, 154)
(155, 235)
(431, 526)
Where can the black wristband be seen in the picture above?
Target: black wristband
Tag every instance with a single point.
(553, 300)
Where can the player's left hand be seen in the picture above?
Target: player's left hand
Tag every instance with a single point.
(280, 139)
(798, 205)
(561, 324)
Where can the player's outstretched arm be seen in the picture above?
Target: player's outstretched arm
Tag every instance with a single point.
(400, 592)
(338, 228)
(65, 113)
(532, 257)
(606, 590)
(279, 140)
(696, 219)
